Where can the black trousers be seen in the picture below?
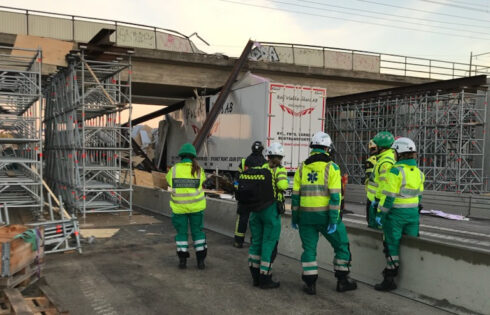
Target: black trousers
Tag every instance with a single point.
(241, 224)
(368, 205)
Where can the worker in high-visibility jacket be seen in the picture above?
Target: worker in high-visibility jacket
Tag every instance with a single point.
(385, 158)
(369, 165)
(399, 207)
(188, 203)
(265, 224)
(316, 209)
(256, 158)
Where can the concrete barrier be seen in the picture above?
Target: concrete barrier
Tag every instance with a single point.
(446, 276)
(470, 205)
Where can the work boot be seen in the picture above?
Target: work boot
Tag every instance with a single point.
(200, 264)
(237, 244)
(201, 255)
(266, 282)
(182, 262)
(255, 272)
(183, 259)
(346, 284)
(388, 283)
(310, 284)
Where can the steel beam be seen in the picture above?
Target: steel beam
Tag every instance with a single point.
(214, 112)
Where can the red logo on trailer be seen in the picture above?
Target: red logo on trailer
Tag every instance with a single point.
(291, 111)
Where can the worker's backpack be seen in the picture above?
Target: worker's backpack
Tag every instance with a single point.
(255, 189)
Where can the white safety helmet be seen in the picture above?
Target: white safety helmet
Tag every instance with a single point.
(404, 145)
(275, 149)
(322, 139)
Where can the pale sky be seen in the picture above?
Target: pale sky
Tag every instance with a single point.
(351, 24)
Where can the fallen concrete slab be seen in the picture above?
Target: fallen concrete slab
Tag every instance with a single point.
(456, 278)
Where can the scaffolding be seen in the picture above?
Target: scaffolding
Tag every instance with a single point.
(20, 129)
(88, 151)
(446, 120)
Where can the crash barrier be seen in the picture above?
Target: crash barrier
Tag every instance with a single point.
(468, 205)
(447, 276)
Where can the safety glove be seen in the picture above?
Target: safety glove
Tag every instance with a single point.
(331, 228)
(333, 219)
(380, 218)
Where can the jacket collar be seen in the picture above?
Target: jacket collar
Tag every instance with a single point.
(409, 162)
(383, 154)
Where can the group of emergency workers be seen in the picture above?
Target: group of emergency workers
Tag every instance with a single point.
(394, 187)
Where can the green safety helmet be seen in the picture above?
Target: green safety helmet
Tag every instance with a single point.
(384, 139)
(187, 149)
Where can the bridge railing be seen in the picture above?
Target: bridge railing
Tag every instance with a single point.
(82, 29)
(368, 61)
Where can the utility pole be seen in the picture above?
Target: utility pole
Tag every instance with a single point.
(475, 56)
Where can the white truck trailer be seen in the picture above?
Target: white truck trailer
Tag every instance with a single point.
(256, 109)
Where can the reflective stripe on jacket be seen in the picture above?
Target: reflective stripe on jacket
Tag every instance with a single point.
(319, 187)
(280, 180)
(385, 161)
(241, 168)
(404, 187)
(187, 194)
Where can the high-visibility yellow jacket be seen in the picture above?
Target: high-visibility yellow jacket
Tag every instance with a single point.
(280, 180)
(369, 168)
(187, 194)
(403, 188)
(317, 191)
(241, 168)
(385, 161)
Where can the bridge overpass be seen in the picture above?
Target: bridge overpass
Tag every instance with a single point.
(159, 75)
(167, 64)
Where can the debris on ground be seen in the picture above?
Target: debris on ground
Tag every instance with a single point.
(41, 300)
(98, 233)
(22, 255)
(442, 214)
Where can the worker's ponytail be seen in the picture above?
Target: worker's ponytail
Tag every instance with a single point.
(195, 167)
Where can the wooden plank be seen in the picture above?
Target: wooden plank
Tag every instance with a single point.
(16, 300)
(99, 233)
(98, 82)
(40, 305)
(51, 296)
(22, 278)
(142, 178)
(66, 214)
(54, 50)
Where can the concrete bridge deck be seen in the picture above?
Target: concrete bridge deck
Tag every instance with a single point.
(135, 272)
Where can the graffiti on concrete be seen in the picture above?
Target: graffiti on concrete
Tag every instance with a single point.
(173, 43)
(135, 37)
(264, 53)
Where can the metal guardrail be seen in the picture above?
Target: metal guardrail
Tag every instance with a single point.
(398, 64)
(115, 23)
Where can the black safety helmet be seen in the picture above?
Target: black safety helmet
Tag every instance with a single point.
(257, 147)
